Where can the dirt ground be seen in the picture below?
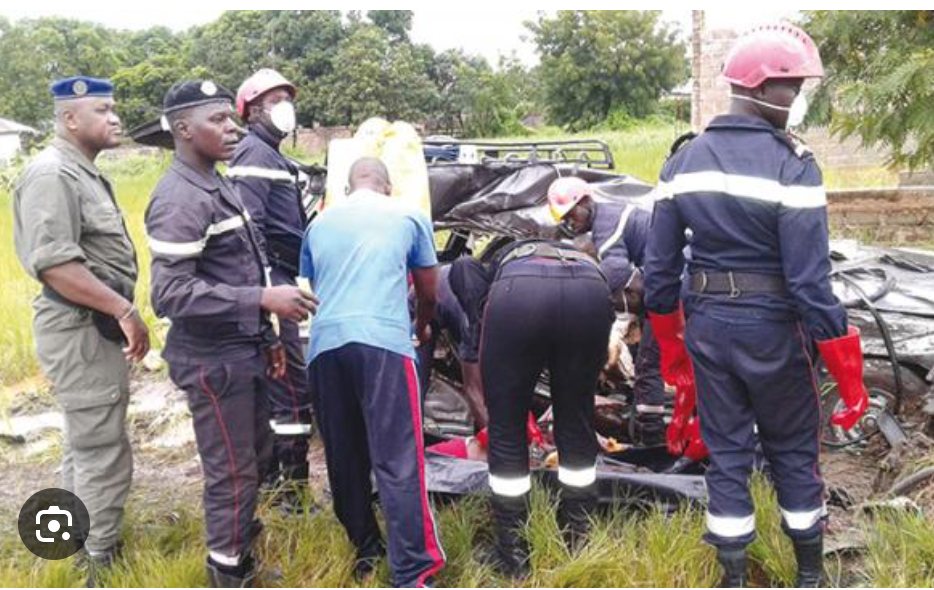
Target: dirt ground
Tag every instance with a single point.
(167, 471)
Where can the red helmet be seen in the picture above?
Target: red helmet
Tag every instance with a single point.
(772, 51)
(260, 83)
(565, 193)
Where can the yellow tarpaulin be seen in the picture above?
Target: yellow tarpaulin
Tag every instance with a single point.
(397, 145)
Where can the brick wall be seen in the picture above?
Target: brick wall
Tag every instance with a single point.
(884, 215)
(316, 140)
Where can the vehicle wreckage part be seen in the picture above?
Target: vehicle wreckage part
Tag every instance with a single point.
(867, 427)
(867, 303)
(906, 484)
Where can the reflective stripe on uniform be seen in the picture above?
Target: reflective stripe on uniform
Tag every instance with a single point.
(221, 559)
(618, 232)
(510, 486)
(195, 248)
(258, 172)
(647, 409)
(290, 429)
(577, 478)
(731, 526)
(752, 187)
(802, 520)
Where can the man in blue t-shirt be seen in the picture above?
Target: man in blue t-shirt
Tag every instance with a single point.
(358, 255)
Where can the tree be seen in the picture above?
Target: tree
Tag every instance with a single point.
(37, 52)
(397, 23)
(373, 76)
(477, 100)
(879, 82)
(594, 63)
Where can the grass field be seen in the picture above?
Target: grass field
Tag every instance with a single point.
(166, 549)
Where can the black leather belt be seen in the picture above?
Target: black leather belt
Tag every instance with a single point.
(736, 284)
(542, 250)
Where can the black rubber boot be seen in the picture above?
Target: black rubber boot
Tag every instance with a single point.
(367, 559)
(733, 562)
(647, 430)
(575, 509)
(241, 575)
(510, 515)
(288, 482)
(810, 556)
(98, 565)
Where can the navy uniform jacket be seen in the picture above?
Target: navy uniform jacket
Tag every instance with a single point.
(208, 270)
(619, 233)
(268, 185)
(754, 201)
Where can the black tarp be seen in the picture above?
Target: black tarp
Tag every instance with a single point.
(511, 200)
(618, 483)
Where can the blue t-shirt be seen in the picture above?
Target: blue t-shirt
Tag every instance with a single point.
(357, 255)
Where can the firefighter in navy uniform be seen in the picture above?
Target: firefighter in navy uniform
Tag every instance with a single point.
(208, 278)
(619, 233)
(268, 185)
(759, 298)
(539, 305)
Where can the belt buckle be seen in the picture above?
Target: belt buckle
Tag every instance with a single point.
(526, 251)
(734, 290)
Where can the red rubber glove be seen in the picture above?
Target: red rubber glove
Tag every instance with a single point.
(677, 434)
(844, 359)
(695, 450)
(532, 432)
(675, 363)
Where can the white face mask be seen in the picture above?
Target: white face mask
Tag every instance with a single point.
(282, 116)
(796, 112)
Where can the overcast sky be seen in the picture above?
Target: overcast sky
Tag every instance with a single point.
(481, 32)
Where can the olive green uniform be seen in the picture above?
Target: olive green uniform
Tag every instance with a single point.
(65, 211)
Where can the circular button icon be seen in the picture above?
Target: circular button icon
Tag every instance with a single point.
(54, 524)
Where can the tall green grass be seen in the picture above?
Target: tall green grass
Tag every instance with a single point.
(164, 548)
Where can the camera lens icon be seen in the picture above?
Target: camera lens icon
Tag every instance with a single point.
(54, 524)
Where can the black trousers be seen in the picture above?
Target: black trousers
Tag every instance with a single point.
(543, 314)
(649, 389)
(290, 402)
(369, 415)
(231, 420)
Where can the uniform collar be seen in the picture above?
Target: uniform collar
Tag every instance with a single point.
(72, 151)
(195, 177)
(261, 133)
(749, 122)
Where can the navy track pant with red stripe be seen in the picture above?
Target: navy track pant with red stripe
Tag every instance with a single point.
(231, 420)
(755, 380)
(369, 414)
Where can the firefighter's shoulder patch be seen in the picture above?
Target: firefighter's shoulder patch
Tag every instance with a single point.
(795, 144)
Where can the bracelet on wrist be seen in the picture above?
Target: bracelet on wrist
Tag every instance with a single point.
(129, 313)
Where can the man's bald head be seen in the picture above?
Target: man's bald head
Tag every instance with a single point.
(370, 173)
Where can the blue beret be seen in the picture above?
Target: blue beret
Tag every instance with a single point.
(193, 93)
(81, 87)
